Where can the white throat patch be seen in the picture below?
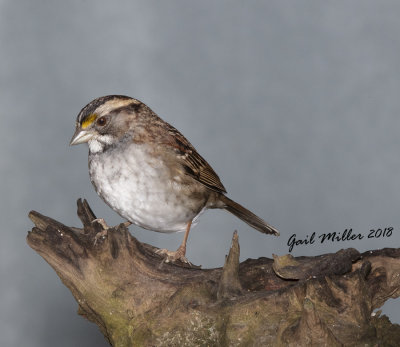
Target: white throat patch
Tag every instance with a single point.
(97, 143)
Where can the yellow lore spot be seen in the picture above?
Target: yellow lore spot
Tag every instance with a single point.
(89, 120)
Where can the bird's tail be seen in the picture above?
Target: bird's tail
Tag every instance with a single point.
(248, 217)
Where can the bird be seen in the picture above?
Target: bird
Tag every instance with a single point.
(149, 173)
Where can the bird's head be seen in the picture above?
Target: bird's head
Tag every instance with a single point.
(105, 120)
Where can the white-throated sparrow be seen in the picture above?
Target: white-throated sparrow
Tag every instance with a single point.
(147, 171)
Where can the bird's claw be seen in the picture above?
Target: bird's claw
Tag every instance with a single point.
(173, 256)
(102, 222)
(102, 234)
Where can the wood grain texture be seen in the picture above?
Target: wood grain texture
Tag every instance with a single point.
(136, 299)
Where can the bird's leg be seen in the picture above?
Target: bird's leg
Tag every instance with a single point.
(181, 251)
(179, 254)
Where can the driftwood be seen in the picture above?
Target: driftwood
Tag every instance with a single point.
(136, 299)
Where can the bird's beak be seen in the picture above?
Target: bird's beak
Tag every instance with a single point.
(81, 136)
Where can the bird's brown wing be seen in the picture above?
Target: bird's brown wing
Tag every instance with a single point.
(193, 163)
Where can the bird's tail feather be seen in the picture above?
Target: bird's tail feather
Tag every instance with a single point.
(248, 217)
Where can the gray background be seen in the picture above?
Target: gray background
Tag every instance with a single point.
(294, 103)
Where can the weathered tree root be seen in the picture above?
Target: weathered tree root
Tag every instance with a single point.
(136, 299)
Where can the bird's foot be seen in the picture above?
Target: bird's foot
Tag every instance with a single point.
(173, 256)
(102, 234)
(102, 222)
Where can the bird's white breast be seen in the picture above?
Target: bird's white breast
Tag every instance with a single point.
(138, 186)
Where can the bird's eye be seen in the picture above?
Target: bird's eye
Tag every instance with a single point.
(101, 121)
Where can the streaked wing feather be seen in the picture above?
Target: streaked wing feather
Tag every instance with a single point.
(194, 164)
